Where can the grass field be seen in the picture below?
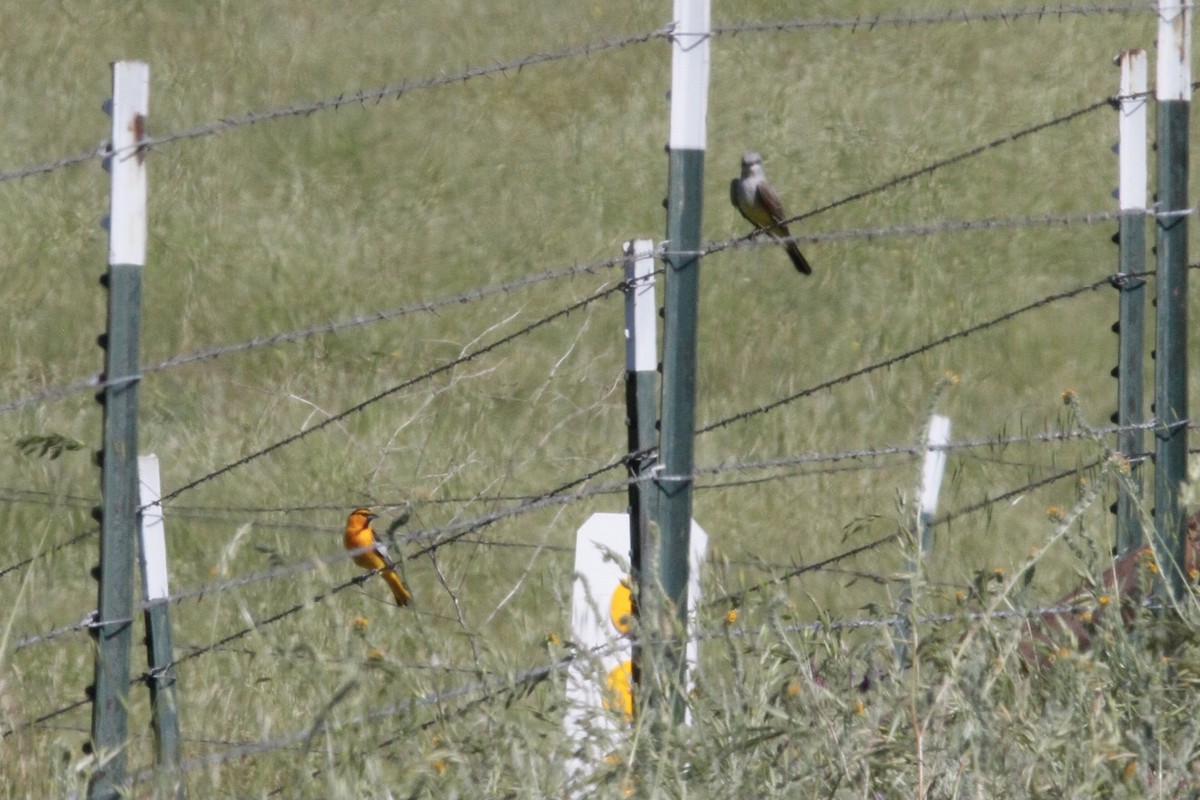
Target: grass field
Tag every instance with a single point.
(286, 224)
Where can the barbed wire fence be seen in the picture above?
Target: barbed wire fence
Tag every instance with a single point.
(455, 532)
(96, 381)
(364, 97)
(556, 495)
(572, 491)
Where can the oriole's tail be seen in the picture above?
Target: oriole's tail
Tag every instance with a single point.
(399, 590)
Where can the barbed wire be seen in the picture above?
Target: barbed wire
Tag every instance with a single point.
(52, 549)
(44, 497)
(811, 627)
(212, 513)
(964, 155)
(1112, 280)
(89, 620)
(805, 472)
(907, 354)
(730, 599)
(945, 519)
(34, 723)
(1020, 491)
(555, 496)
(950, 447)
(536, 674)
(869, 23)
(361, 97)
(454, 531)
(441, 536)
(1115, 280)
(95, 154)
(536, 501)
(195, 653)
(54, 633)
(495, 689)
(546, 500)
(95, 381)
(427, 375)
(459, 530)
(365, 97)
(999, 615)
(240, 582)
(734, 599)
(858, 456)
(756, 239)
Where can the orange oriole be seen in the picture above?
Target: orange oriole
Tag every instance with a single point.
(359, 535)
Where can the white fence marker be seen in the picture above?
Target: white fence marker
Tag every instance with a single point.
(152, 556)
(599, 692)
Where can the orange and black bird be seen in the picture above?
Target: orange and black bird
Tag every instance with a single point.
(752, 195)
(374, 555)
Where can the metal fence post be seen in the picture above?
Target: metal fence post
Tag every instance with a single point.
(1174, 90)
(685, 195)
(160, 650)
(118, 458)
(1131, 320)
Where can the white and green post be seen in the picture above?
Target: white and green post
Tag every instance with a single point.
(663, 662)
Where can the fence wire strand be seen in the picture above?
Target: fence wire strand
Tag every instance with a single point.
(539, 501)
(361, 97)
(964, 155)
(94, 381)
(440, 369)
(734, 598)
(524, 680)
(366, 97)
(441, 536)
(959, 16)
(904, 356)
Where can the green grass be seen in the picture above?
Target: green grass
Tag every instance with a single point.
(287, 224)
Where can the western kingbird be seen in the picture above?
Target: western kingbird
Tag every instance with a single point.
(757, 201)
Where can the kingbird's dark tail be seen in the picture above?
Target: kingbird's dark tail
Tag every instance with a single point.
(798, 259)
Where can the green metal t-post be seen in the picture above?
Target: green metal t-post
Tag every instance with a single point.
(1173, 87)
(679, 407)
(1131, 320)
(118, 458)
(685, 195)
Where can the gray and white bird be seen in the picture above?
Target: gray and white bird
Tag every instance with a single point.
(754, 197)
